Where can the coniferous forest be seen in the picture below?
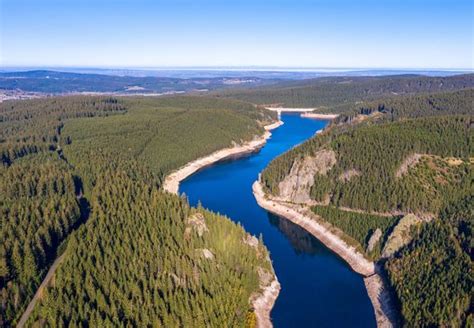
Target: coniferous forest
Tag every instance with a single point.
(395, 156)
(432, 276)
(337, 94)
(81, 178)
(80, 187)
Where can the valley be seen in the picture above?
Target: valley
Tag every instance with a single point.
(380, 177)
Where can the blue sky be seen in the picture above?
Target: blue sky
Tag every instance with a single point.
(318, 33)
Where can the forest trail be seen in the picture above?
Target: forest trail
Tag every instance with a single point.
(39, 292)
(85, 211)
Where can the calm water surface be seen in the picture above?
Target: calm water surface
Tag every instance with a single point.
(318, 289)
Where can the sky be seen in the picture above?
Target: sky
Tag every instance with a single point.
(283, 33)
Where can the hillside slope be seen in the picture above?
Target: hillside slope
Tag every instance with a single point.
(81, 176)
(391, 159)
(334, 94)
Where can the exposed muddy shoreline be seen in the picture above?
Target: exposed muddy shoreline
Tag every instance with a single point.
(319, 116)
(376, 290)
(171, 183)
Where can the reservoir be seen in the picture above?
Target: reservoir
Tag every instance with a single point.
(318, 289)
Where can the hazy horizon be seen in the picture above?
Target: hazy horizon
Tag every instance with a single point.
(260, 72)
(241, 68)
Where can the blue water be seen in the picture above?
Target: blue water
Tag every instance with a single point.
(318, 289)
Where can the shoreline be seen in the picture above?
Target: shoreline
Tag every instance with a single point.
(355, 259)
(377, 292)
(319, 116)
(172, 180)
(263, 304)
(290, 110)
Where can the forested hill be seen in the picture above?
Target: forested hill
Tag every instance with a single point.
(81, 176)
(395, 178)
(411, 106)
(327, 94)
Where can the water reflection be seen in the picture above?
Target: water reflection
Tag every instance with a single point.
(302, 241)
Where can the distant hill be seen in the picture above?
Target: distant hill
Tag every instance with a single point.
(65, 82)
(328, 93)
(262, 88)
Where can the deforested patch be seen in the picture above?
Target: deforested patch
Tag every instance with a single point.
(401, 235)
(374, 239)
(409, 162)
(297, 185)
(197, 223)
(206, 253)
(347, 175)
(453, 161)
